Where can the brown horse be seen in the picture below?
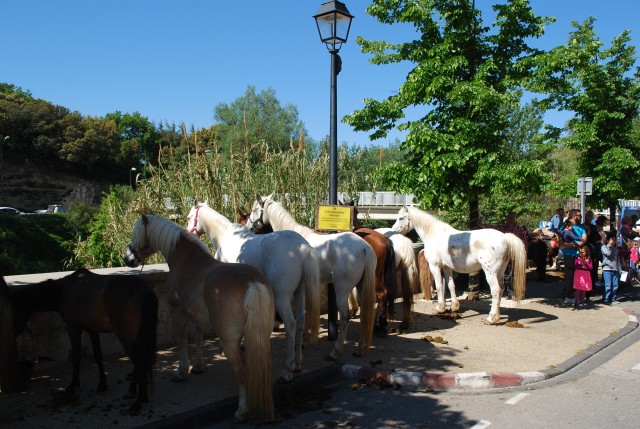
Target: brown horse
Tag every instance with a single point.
(123, 304)
(234, 300)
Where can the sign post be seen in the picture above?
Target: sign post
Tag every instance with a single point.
(585, 187)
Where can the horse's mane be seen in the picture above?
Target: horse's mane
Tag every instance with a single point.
(282, 219)
(164, 235)
(428, 223)
(210, 215)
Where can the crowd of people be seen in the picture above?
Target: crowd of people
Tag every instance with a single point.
(584, 245)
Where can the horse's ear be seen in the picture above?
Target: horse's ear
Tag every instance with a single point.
(352, 203)
(195, 202)
(145, 219)
(206, 202)
(258, 198)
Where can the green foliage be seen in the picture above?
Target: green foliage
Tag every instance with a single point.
(602, 87)
(466, 80)
(35, 244)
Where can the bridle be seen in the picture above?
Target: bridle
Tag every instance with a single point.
(194, 229)
(136, 252)
(257, 224)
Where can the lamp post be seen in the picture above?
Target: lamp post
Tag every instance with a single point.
(334, 22)
(133, 169)
(6, 138)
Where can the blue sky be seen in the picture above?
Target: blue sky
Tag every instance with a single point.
(175, 61)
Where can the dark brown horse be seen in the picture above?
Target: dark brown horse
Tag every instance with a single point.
(123, 304)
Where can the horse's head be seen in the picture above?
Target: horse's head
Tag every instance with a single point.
(258, 218)
(139, 250)
(193, 226)
(403, 224)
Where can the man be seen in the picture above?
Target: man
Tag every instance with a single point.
(557, 220)
(570, 253)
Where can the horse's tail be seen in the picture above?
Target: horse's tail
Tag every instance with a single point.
(8, 349)
(259, 309)
(311, 281)
(518, 256)
(426, 279)
(409, 267)
(368, 297)
(390, 277)
(147, 336)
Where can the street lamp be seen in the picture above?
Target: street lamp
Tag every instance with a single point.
(334, 22)
(5, 139)
(133, 169)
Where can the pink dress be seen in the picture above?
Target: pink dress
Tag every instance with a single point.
(582, 275)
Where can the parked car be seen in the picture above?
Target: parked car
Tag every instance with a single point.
(10, 211)
(52, 208)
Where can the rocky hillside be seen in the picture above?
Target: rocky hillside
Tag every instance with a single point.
(29, 187)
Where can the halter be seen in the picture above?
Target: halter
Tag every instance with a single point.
(136, 252)
(257, 224)
(194, 230)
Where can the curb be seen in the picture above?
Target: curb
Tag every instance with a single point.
(478, 380)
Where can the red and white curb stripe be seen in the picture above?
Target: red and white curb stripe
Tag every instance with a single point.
(443, 380)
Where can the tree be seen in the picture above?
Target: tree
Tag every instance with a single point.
(602, 87)
(138, 137)
(257, 119)
(466, 76)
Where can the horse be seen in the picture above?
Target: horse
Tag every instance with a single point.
(86, 301)
(448, 249)
(407, 270)
(346, 260)
(235, 300)
(285, 258)
(8, 351)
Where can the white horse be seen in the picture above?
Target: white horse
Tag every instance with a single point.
(407, 267)
(346, 260)
(285, 258)
(235, 300)
(447, 249)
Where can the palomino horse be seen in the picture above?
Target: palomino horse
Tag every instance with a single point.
(235, 300)
(123, 304)
(290, 264)
(447, 249)
(406, 268)
(346, 260)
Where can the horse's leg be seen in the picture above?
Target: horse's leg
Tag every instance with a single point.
(342, 301)
(75, 336)
(407, 296)
(455, 304)
(283, 305)
(231, 348)
(496, 284)
(198, 361)
(180, 326)
(97, 356)
(438, 280)
(380, 328)
(300, 298)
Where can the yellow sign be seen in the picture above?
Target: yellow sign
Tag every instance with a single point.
(334, 218)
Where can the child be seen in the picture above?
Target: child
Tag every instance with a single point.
(582, 276)
(566, 234)
(634, 258)
(611, 266)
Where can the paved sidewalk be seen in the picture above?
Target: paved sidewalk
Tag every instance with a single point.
(436, 353)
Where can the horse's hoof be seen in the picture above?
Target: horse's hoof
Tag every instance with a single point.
(135, 409)
(197, 370)
(380, 332)
(177, 379)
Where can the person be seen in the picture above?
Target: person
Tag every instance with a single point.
(570, 252)
(634, 258)
(556, 226)
(556, 220)
(582, 277)
(538, 252)
(594, 241)
(611, 266)
(627, 235)
(566, 233)
(509, 226)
